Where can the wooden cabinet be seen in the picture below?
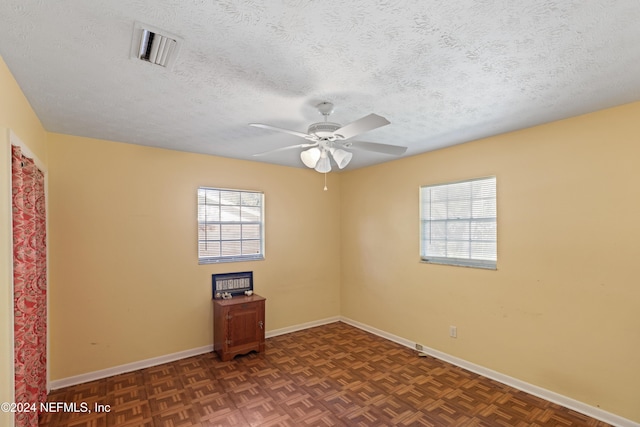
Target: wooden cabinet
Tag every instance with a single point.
(238, 325)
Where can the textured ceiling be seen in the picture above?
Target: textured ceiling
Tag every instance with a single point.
(443, 72)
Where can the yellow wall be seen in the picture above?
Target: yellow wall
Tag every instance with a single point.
(561, 311)
(15, 114)
(125, 280)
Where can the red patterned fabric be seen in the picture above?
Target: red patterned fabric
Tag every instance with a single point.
(29, 285)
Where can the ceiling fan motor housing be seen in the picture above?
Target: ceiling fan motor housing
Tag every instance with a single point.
(323, 129)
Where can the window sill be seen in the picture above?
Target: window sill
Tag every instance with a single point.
(223, 260)
(458, 263)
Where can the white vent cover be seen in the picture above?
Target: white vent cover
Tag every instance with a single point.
(155, 46)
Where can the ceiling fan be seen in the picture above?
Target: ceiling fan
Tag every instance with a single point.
(327, 139)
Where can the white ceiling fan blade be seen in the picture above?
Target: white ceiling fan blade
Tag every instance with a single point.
(286, 148)
(394, 150)
(292, 132)
(365, 124)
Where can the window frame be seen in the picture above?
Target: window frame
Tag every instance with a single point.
(490, 264)
(202, 259)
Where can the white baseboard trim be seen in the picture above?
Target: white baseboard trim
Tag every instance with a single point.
(128, 367)
(551, 396)
(301, 326)
(154, 361)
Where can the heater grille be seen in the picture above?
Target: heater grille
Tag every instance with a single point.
(155, 46)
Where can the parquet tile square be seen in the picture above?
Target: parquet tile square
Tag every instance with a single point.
(365, 416)
(213, 407)
(236, 381)
(332, 375)
(204, 390)
(248, 394)
(283, 389)
(88, 392)
(167, 385)
(196, 377)
(225, 419)
(388, 382)
(95, 421)
(160, 373)
(183, 416)
(267, 376)
(124, 381)
(129, 395)
(129, 414)
(266, 413)
(342, 402)
(301, 406)
(168, 401)
(302, 375)
(364, 370)
(318, 387)
(283, 361)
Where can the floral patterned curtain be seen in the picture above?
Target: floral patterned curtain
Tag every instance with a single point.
(29, 284)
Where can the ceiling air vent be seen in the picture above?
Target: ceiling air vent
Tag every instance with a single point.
(155, 46)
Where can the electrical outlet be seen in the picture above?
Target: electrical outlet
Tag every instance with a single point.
(419, 347)
(453, 331)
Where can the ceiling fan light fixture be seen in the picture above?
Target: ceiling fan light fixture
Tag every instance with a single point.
(325, 138)
(310, 157)
(341, 157)
(324, 164)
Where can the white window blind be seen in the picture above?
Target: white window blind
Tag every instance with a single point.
(230, 225)
(459, 223)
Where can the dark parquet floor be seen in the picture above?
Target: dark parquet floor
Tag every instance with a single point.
(331, 375)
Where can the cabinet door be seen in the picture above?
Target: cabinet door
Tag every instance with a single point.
(220, 327)
(246, 325)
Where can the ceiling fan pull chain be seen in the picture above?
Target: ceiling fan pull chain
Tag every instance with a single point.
(325, 181)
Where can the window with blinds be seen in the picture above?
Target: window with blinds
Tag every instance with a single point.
(230, 225)
(458, 223)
